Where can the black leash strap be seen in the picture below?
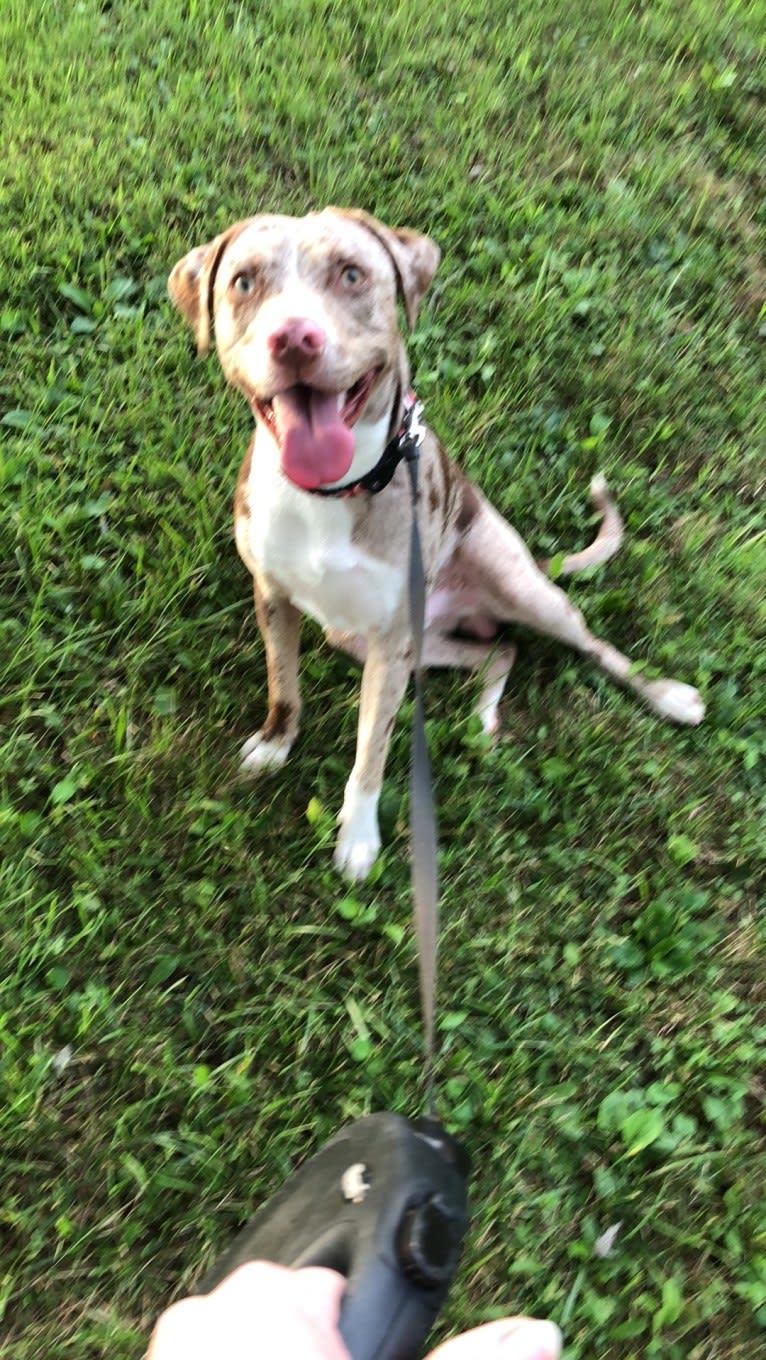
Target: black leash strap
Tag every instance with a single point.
(425, 872)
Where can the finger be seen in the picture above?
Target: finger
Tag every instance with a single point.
(258, 1302)
(321, 1292)
(177, 1332)
(509, 1339)
(314, 1292)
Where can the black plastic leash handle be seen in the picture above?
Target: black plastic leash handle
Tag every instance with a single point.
(385, 1204)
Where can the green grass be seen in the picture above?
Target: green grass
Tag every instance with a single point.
(191, 999)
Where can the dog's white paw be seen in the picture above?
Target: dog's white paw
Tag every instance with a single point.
(678, 702)
(355, 858)
(261, 754)
(359, 839)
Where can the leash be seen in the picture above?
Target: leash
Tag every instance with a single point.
(425, 866)
(405, 445)
(385, 1201)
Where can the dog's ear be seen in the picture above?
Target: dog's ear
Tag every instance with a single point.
(192, 281)
(415, 257)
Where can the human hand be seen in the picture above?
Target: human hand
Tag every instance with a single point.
(263, 1310)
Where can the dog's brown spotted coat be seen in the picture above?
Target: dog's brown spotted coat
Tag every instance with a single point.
(304, 312)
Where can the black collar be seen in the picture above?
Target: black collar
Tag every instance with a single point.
(380, 475)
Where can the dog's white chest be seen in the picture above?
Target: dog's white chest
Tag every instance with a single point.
(305, 544)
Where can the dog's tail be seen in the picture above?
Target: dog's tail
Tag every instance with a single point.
(607, 540)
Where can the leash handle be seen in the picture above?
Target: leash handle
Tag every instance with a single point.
(425, 870)
(385, 1204)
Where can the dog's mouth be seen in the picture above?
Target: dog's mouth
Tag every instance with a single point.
(313, 429)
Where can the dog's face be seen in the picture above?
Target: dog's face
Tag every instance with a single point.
(306, 326)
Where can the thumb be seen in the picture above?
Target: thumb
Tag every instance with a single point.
(509, 1339)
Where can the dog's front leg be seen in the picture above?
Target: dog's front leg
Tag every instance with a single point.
(384, 680)
(280, 623)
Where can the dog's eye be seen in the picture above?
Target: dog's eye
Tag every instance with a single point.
(242, 283)
(351, 276)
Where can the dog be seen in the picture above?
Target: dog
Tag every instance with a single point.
(305, 317)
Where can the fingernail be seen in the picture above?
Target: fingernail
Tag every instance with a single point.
(532, 1341)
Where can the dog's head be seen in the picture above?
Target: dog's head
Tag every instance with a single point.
(305, 322)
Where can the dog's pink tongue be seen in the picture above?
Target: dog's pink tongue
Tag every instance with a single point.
(316, 446)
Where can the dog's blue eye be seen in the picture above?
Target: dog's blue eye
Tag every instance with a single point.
(242, 283)
(351, 276)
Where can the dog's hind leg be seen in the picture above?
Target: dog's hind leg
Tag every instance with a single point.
(492, 662)
(553, 613)
(515, 590)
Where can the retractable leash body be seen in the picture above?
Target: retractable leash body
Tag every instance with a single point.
(384, 1202)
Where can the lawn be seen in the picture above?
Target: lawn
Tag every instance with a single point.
(191, 999)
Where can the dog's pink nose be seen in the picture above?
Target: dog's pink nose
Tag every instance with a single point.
(297, 339)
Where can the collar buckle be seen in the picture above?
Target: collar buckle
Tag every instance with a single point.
(413, 431)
